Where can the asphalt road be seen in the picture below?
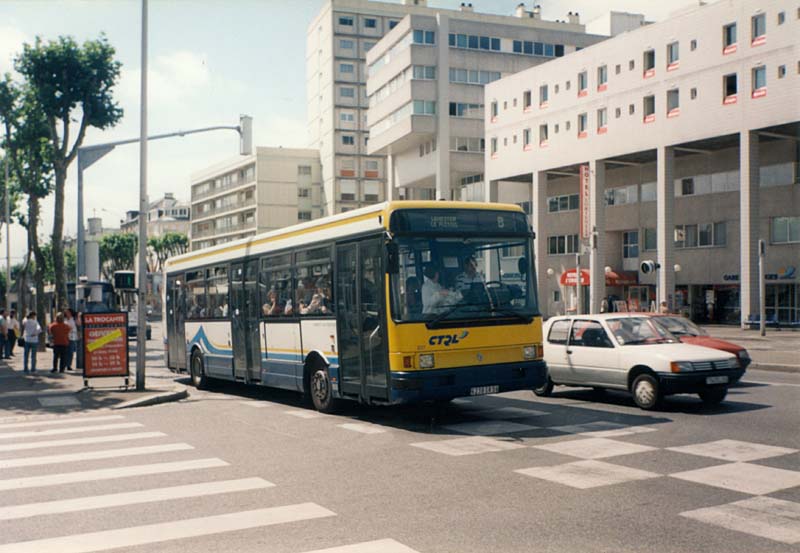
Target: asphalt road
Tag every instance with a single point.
(246, 469)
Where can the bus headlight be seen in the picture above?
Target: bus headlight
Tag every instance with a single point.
(529, 352)
(426, 361)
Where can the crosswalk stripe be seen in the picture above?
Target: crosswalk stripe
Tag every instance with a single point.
(132, 498)
(107, 474)
(89, 455)
(165, 531)
(80, 441)
(59, 421)
(76, 430)
(377, 546)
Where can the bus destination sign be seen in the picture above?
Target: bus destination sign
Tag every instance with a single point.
(461, 221)
(105, 345)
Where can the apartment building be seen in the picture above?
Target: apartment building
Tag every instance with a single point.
(425, 88)
(164, 215)
(677, 143)
(244, 196)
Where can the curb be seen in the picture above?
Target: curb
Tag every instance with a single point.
(155, 399)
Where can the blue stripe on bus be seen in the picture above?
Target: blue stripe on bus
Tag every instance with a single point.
(201, 338)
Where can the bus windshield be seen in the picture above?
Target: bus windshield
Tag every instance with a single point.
(444, 279)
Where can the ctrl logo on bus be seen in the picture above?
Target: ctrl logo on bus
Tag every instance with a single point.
(447, 339)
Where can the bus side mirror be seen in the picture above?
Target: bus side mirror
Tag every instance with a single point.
(392, 258)
(522, 265)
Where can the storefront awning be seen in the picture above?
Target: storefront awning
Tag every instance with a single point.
(613, 278)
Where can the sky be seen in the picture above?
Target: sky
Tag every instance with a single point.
(209, 61)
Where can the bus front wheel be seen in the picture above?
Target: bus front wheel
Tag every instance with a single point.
(322, 391)
(198, 372)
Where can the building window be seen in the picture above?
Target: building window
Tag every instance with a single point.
(473, 76)
(649, 109)
(781, 71)
(730, 89)
(424, 72)
(368, 45)
(631, 65)
(346, 117)
(583, 125)
(526, 100)
(543, 136)
(303, 215)
(346, 68)
(370, 23)
(583, 83)
(617, 112)
(424, 37)
(781, 18)
(602, 121)
(470, 111)
(687, 186)
(673, 103)
(526, 139)
(785, 230)
(348, 140)
(346, 44)
(630, 244)
(346, 21)
(466, 144)
(493, 110)
(693, 93)
(759, 81)
(673, 56)
(729, 38)
(618, 69)
(562, 244)
(649, 62)
(424, 107)
(543, 96)
(303, 169)
(622, 195)
(693, 45)
(568, 202)
(493, 146)
(303, 192)
(347, 190)
(347, 92)
(631, 109)
(650, 239)
(392, 24)
(602, 78)
(758, 27)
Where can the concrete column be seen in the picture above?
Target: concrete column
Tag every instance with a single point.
(749, 223)
(442, 108)
(538, 214)
(491, 190)
(665, 224)
(392, 192)
(597, 216)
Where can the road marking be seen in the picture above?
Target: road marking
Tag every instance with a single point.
(89, 455)
(304, 414)
(59, 401)
(107, 474)
(166, 531)
(587, 474)
(255, 404)
(377, 546)
(76, 430)
(489, 428)
(132, 498)
(363, 428)
(589, 427)
(81, 441)
(765, 517)
(511, 413)
(60, 421)
(624, 431)
(733, 450)
(743, 477)
(468, 446)
(594, 448)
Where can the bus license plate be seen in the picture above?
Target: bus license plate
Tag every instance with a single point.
(717, 380)
(483, 390)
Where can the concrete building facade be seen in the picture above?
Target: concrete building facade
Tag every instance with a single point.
(163, 215)
(425, 88)
(271, 189)
(677, 143)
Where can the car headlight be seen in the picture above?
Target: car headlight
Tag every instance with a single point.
(743, 354)
(426, 361)
(681, 366)
(529, 352)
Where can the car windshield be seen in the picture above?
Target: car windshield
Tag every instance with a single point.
(680, 326)
(444, 279)
(630, 331)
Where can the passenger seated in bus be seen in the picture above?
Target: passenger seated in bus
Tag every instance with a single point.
(434, 296)
(274, 306)
(289, 309)
(314, 307)
(323, 287)
(413, 296)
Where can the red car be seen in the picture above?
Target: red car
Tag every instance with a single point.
(686, 331)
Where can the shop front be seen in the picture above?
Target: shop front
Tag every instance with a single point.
(618, 287)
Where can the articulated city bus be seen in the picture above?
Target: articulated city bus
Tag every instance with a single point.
(381, 305)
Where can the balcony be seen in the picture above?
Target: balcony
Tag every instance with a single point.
(216, 232)
(223, 209)
(220, 189)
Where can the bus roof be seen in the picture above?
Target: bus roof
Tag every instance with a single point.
(373, 217)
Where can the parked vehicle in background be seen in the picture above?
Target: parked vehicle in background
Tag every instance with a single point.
(631, 352)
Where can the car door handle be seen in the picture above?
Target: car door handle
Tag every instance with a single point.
(569, 352)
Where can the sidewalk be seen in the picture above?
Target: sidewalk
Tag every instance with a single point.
(779, 350)
(43, 392)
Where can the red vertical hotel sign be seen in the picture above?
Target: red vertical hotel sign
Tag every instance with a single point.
(584, 200)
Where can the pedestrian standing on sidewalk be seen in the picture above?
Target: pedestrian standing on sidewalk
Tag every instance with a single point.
(31, 329)
(69, 319)
(3, 333)
(59, 331)
(13, 333)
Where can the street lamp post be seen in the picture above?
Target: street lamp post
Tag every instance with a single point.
(141, 325)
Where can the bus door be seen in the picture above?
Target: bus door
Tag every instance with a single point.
(361, 320)
(176, 331)
(245, 336)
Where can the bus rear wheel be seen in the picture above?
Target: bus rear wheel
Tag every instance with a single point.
(321, 390)
(198, 371)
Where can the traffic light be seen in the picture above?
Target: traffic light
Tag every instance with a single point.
(649, 266)
(124, 280)
(245, 135)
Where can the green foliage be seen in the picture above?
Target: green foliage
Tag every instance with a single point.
(168, 245)
(117, 253)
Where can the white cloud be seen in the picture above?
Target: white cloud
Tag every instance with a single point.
(172, 78)
(11, 40)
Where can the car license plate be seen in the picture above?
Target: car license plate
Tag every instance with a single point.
(717, 380)
(483, 390)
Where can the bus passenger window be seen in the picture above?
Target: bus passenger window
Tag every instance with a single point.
(277, 282)
(313, 282)
(196, 295)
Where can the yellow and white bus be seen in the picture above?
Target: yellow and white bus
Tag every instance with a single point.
(392, 303)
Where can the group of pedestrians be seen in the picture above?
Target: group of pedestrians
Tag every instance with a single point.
(63, 338)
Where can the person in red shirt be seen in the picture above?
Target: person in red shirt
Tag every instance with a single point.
(59, 331)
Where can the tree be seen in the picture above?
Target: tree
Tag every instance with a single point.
(117, 253)
(166, 246)
(64, 77)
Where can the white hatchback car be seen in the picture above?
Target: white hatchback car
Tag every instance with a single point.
(629, 352)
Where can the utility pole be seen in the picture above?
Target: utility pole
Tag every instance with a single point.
(762, 289)
(8, 236)
(141, 328)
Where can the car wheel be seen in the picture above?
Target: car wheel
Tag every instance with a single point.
(198, 371)
(645, 392)
(713, 396)
(545, 389)
(322, 391)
